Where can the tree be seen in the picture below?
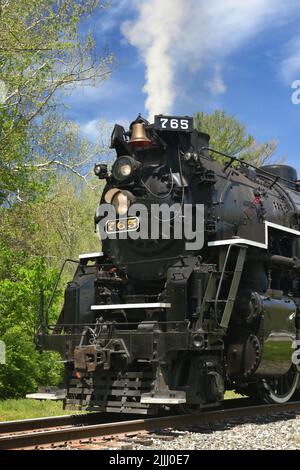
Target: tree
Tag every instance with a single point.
(21, 278)
(229, 136)
(57, 221)
(45, 215)
(65, 221)
(41, 53)
(35, 238)
(59, 146)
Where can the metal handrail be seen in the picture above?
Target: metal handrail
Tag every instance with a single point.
(249, 165)
(55, 289)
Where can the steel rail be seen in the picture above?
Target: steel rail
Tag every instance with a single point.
(151, 425)
(48, 422)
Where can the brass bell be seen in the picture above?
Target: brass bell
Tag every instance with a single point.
(138, 135)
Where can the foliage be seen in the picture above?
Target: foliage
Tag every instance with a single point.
(46, 214)
(41, 54)
(21, 280)
(35, 238)
(56, 226)
(62, 149)
(229, 136)
(65, 220)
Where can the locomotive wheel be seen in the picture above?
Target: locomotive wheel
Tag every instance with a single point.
(280, 389)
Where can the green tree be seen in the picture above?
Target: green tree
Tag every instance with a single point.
(35, 239)
(41, 53)
(65, 220)
(59, 147)
(230, 136)
(58, 222)
(21, 278)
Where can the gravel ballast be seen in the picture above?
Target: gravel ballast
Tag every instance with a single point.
(278, 432)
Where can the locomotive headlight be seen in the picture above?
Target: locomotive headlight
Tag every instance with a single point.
(121, 200)
(125, 168)
(198, 341)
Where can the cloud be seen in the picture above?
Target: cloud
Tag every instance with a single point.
(98, 128)
(91, 130)
(102, 91)
(92, 101)
(179, 37)
(290, 65)
(216, 85)
(110, 18)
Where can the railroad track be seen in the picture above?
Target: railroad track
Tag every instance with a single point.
(73, 428)
(7, 427)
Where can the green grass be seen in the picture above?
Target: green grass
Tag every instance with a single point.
(11, 410)
(231, 395)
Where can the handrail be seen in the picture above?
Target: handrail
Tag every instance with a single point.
(55, 288)
(249, 165)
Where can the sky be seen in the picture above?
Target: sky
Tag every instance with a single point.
(184, 56)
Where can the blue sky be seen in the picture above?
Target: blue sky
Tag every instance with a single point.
(192, 56)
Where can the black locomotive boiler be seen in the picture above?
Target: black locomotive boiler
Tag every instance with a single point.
(148, 323)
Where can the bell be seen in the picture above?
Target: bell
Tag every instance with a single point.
(138, 136)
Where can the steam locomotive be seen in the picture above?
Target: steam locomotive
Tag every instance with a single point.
(157, 322)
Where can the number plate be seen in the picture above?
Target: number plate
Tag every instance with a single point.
(122, 225)
(174, 123)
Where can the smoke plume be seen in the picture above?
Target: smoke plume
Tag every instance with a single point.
(176, 35)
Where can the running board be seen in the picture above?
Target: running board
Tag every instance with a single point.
(130, 306)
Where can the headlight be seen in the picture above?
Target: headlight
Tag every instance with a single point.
(198, 341)
(101, 171)
(121, 200)
(124, 168)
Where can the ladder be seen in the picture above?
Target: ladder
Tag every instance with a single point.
(214, 288)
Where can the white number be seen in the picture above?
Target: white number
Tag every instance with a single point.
(184, 124)
(174, 123)
(164, 123)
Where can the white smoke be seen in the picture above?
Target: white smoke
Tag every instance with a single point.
(190, 34)
(156, 33)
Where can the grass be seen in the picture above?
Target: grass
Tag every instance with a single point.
(232, 395)
(11, 410)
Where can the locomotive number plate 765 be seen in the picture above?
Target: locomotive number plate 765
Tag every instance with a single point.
(174, 123)
(122, 225)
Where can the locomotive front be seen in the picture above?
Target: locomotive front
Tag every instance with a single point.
(145, 197)
(196, 290)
